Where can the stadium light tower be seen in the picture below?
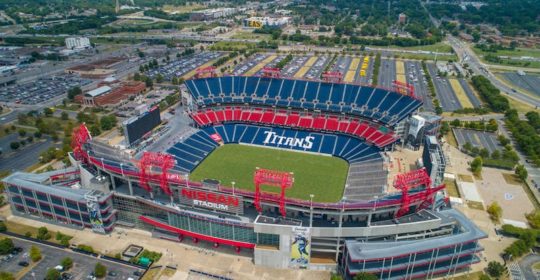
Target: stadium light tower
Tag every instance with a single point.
(233, 182)
(311, 210)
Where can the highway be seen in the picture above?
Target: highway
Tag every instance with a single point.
(466, 55)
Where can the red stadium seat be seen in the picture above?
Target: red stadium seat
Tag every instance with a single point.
(319, 122)
(353, 126)
(293, 119)
(236, 114)
(197, 119)
(343, 124)
(244, 116)
(331, 124)
(268, 117)
(306, 121)
(280, 119)
(211, 116)
(255, 116)
(228, 114)
(369, 132)
(220, 116)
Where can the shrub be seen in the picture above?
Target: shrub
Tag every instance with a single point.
(3, 226)
(67, 263)
(43, 234)
(100, 270)
(6, 246)
(85, 248)
(35, 253)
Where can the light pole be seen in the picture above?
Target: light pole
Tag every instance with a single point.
(233, 183)
(311, 210)
(187, 180)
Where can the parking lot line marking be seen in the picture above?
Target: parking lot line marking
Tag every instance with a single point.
(351, 73)
(460, 93)
(261, 64)
(303, 70)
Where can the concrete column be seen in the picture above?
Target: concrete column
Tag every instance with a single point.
(369, 219)
(113, 183)
(130, 187)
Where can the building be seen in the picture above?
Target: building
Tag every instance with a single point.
(413, 233)
(77, 43)
(433, 159)
(211, 14)
(57, 197)
(402, 18)
(259, 22)
(110, 92)
(421, 125)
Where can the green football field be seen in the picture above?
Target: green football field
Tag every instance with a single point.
(322, 176)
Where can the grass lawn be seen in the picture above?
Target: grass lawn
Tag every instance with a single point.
(231, 45)
(182, 9)
(451, 139)
(465, 178)
(250, 35)
(475, 205)
(438, 47)
(518, 52)
(425, 56)
(452, 188)
(469, 276)
(511, 179)
(23, 229)
(151, 273)
(536, 266)
(322, 176)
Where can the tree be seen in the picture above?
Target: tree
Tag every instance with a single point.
(534, 219)
(100, 270)
(74, 91)
(495, 269)
(521, 172)
(456, 123)
(52, 274)
(108, 122)
(6, 276)
(37, 134)
(22, 132)
(476, 165)
(484, 153)
(6, 246)
(14, 145)
(64, 116)
(365, 276)
(149, 83)
(67, 263)
(3, 226)
(43, 234)
(484, 277)
(48, 111)
(496, 154)
(495, 211)
(35, 253)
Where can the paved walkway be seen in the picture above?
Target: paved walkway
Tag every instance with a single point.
(181, 255)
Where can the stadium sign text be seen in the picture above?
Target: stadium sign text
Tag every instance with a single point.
(211, 200)
(274, 138)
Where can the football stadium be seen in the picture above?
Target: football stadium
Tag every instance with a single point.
(292, 172)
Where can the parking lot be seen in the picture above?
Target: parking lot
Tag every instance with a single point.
(478, 139)
(41, 90)
(387, 73)
(527, 82)
(415, 75)
(83, 265)
(446, 96)
(182, 66)
(293, 66)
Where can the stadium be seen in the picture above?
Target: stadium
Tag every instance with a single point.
(292, 172)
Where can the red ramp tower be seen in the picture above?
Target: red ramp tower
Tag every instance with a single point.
(274, 178)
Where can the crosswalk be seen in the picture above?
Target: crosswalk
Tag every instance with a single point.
(515, 272)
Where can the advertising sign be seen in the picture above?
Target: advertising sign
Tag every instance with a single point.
(300, 247)
(212, 200)
(217, 138)
(95, 215)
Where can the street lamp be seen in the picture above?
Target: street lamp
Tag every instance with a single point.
(233, 183)
(311, 210)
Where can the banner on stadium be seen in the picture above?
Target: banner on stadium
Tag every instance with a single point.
(217, 138)
(95, 216)
(300, 247)
(212, 200)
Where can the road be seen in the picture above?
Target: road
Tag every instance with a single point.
(466, 55)
(26, 156)
(526, 266)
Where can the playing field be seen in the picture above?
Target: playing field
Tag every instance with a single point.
(322, 176)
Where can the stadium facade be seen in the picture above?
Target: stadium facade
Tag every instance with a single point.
(404, 231)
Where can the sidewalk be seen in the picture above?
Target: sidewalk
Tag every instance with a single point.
(182, 255)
